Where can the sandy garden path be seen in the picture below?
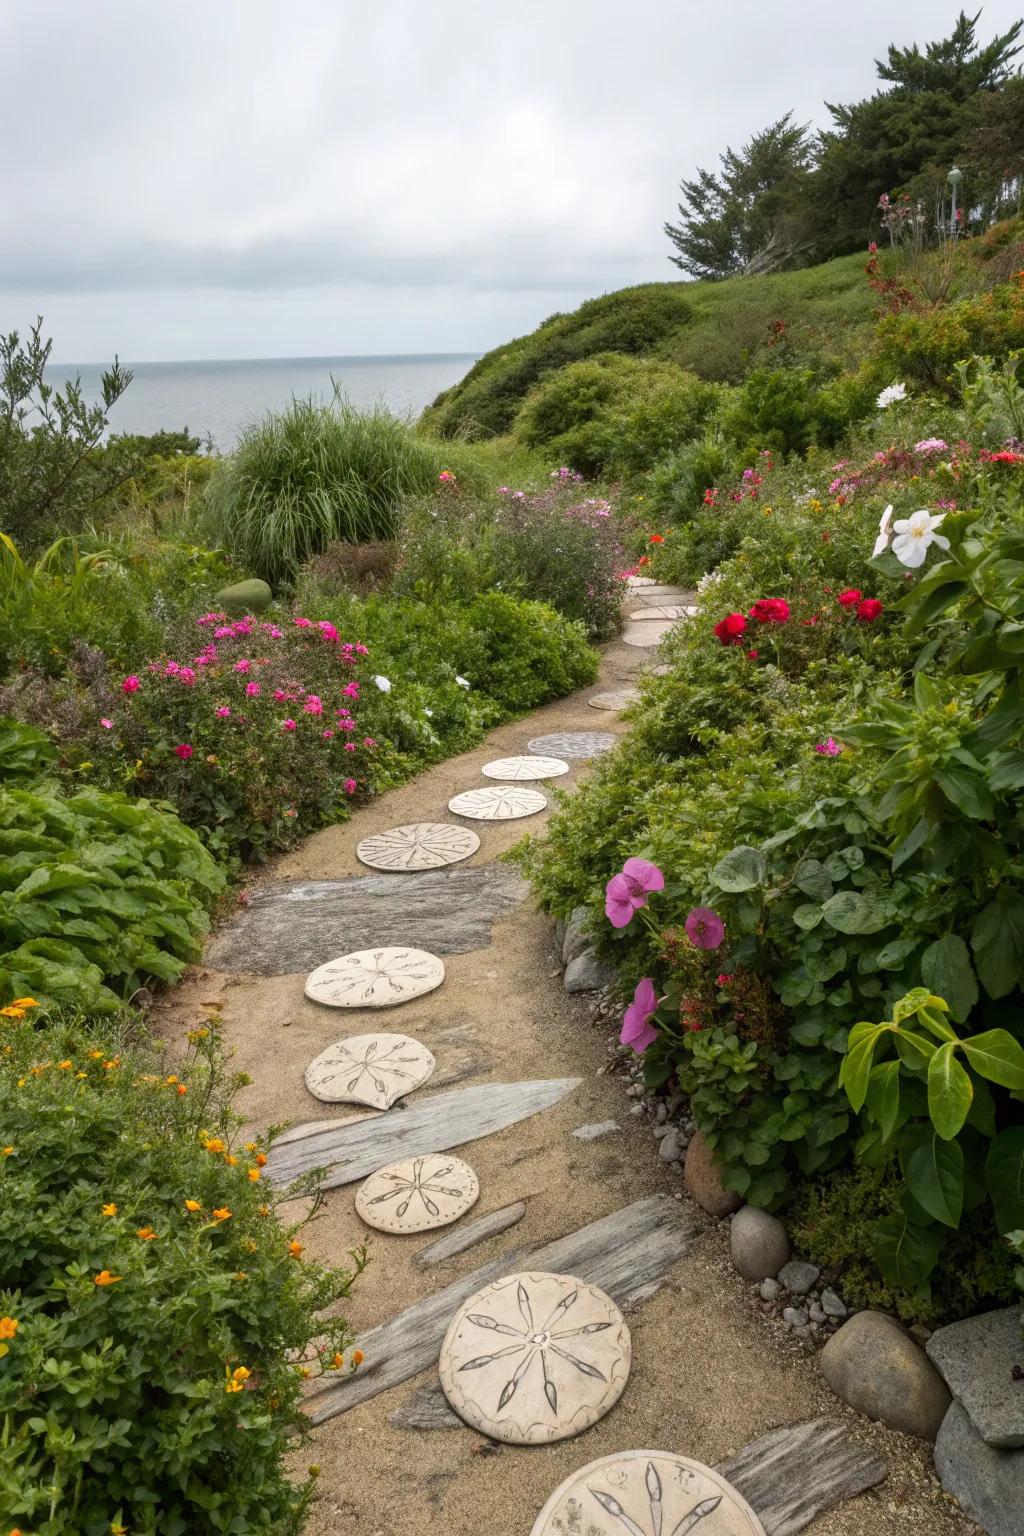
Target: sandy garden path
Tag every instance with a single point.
(709, 1373)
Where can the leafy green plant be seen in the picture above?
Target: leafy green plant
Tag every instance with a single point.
(23, 752)
(993, 399)
(157, 1316)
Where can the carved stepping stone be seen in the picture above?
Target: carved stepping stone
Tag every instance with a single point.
(418, 845)
(525, 768)
(498, 802)
(369, 1069)
(575, 743)
(418, 1194)
(375, 978)
(650, 632)
(535, 1357)
(647, 1493)
(353, 1149)
(615, 699)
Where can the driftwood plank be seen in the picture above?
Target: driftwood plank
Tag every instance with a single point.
(792, 1475)
(426, 1409)
(356, 1148)
(627, 1254)
(473, 1232)
(289, 928)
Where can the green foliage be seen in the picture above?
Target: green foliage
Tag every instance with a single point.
(154, 1308)
(675, 486)
(993, 399)
(303, 477)
(52, 476)
(98, 895)
(927, 345)
(614, 415)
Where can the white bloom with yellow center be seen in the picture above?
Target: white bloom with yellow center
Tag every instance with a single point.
(914, 536)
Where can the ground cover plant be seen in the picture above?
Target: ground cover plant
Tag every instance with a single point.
(157, 1318)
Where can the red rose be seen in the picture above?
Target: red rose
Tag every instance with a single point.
(770, 610)
(868, 610)
(752, 655)
(850, 598)
(731, 628)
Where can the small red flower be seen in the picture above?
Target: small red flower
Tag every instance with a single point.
(730, 628)
(184, 751)
(656, 538)
(770, 610)
(869, 610)
(850, 598)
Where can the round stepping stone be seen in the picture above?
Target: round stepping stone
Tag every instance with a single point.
(649, 633)
(647, 1493)
(369, 1069)
(525, 767)
(418, 845)
(575, 743)
(498, 802)
(615, 699)
(535, 1358)
(659, 611)
(418, 1194)
(375, 978)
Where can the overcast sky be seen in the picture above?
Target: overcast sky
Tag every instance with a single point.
(254, 178)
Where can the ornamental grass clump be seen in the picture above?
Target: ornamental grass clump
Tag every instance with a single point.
(157, 1319)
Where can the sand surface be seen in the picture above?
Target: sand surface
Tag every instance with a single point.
(709, 1372)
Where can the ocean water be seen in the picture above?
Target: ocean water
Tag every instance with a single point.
(218, 398)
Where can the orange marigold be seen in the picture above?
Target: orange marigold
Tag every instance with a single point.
(105, 1278)
(221, 1213)
(8, 1327)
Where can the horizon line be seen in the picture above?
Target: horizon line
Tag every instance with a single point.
(285, 357)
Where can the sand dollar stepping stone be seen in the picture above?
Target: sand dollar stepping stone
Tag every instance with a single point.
(418, 1194)
(535, 1357)
(418, 845)
(498, 802)
(525, 767)
(647, 1493)
(615, 699)
(375, 978)
(369, 1069)
(575, 743)
(649, 632)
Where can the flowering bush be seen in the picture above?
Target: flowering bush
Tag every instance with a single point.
(156, 1318)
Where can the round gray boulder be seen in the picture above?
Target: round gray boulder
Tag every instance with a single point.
(758, 1243)
(703, 1178)
(873, 1364)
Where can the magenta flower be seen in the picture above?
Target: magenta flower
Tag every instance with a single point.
(130, 684)
(313, 705)
(351, 690)
(252, 690)
(350, 786)
(327, 735)
(628, 891)
(184, 751)
(704, 928)
(829, 748)
(368, 741)
(350, 746)
(327, 629)
(243, 665)
(223, 712)
(108, 725)
(288, 725)
(303, 623)
(637, 1029)
(187, 676)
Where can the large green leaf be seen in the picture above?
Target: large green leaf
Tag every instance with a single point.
(883, 1097)
(1004, 1176)
(946, 970)
(950, 1091)
(995, 1054)
(906, 1253)
(934, 1173)
(998, 943)
(855, 1071)
(967, 791)
(853, 912)
(740, 870)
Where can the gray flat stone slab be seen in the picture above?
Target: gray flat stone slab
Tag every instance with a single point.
(988, 1483)
(648, 611)
(353, 1149)
(648, 633)
(615, 699)
(290, 928)
(977, 1357)
(596, 1131)
(659, 592)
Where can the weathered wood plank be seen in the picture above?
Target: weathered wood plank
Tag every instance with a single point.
(288, 928)
(627, 1254)
(353, 1149)
(426, 1409)
(473, 1232)
(792, 1475)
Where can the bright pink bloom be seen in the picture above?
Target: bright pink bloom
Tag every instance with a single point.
(224, 632)
(829, 748)
(637, 1029)
(187, 676)
(328, 735)
(327, 630)
(252, 690)
(850, 598)
(303, 623)
(313, 705)
(368, 741)
(350, 786)
(730, 628)
(704, 928)
(184, 751)
(223, 713)
(770, 610)
(628, 891)
(130, 684)
(288, 725)
(351, 690)
(108, 725)
(869, 610)
(243, 666)
(350, 746)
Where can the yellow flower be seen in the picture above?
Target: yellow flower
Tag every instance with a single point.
(8, 1327)
(105, 1278)
(221, 1213)
(66, 1065)
(172, 1079)
(241, 1373)
(145, 1234)
(357, 1358)
(213, 1144)
(254, 1175)
(250, 1245)
(108, 1066)
(250, 1146)
(337, 1362)
(295, 1249)
(8, 1151)
(263, 1210)
(232, 1386)
(81, 1074)
(231, 1160)
(10, 1012)
(192, 1205)
(110, 1210)
(22, 1081)
(95, 1055)
(24, 1002)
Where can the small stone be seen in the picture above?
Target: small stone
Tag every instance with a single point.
(770, 1289)
(794, 1317)
(657, 1131)
(803, 1331)
(560, 928)
(577, 936)
(988, 1483)
(636, 1109)
(977, 1357)
(704, 1180)
(816, 1312)
(669, 1151)
(873, 1364)
(587, 973)
(919, 1332)
(662, 1113)
(758, 1243)
(798, 1277)
(634, 1090)
(593, 1132)
(833, 1305)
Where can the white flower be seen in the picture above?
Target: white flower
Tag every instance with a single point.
(890, 395)
(461, 681)
(914, 535)
(708, 580)
(884, 533)
(429, 713)
(382, 683)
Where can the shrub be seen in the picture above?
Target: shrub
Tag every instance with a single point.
(530, 653)
(676, 485)
(301, 478)
(100, 894)
(614, 414)
(156, 1313)
(927, 344)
